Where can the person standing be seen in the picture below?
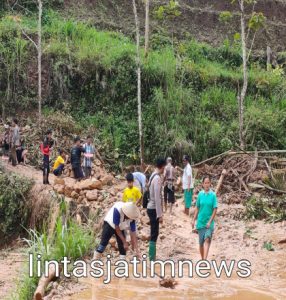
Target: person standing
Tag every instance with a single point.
(6, 141)
(46, 148)
(154, 207)
(76, 152)
(88, 157)
(206, 209)
(140, 181)
(169, 188)
(22, 153)
(188, 184)
(15, 141)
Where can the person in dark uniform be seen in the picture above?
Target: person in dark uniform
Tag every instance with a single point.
(76, 151)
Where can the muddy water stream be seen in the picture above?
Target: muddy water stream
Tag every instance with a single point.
(187, 289)
(148, 289)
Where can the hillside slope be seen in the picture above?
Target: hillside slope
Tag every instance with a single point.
(199, 19)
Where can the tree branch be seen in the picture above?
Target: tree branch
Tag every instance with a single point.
(27, 36)
(251, 46)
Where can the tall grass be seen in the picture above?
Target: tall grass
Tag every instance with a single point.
(67, 239)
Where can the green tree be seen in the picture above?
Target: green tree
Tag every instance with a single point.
(168, 12)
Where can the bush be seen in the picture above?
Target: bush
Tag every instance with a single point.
(14, 208)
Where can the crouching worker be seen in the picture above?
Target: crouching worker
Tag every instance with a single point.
(120, 217)
(59, 163)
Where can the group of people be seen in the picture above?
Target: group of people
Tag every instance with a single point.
(81, 168)
(155, 192)
(12, 144)
(146, 191)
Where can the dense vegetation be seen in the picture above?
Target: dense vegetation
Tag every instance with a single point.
(188, 88)
(14, 211)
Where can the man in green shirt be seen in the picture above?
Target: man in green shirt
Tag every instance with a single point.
(206, 209)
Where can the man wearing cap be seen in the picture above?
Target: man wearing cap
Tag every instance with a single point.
(120, 217)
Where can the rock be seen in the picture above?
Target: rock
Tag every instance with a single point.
(69, 186)
(145, 235)
(60, 189)
(145, 220)
(112, 192)
(112, 242)
(59, 181)
(92, 195)
(100, 198)
(74, 195)
(89, 184)
(80, 198)
(162, 237)
(107, 180)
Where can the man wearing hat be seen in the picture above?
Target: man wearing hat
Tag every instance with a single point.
(120, 217)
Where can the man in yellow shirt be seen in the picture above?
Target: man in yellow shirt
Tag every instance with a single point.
(59, 164)
(131, 193)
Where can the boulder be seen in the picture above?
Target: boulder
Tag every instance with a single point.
(107, 179)
(89, 184)
(74, 195)
(92, 195)
(69, 186)
(59, 181)
(60, 189)
(145, 220)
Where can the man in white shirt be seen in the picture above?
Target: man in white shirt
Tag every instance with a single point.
(120, 217)
(188, 184)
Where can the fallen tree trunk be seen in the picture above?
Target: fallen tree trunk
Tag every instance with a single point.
(220, 181)
(230, 153)
(44, 281)
(273, 189)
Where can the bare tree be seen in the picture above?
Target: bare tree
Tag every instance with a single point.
(138, 66)
(248, 24)
(38, 46)
(39, 49)
(241, 96)
(147, 26)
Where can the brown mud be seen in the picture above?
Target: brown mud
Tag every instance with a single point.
(234, 239)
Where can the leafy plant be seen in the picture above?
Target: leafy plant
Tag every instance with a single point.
(268, 246)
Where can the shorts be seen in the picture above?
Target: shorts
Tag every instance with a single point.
(204, 233)
(188, 195)
(169, 194)
(77, 170)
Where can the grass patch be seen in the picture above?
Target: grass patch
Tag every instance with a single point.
(63, 237)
